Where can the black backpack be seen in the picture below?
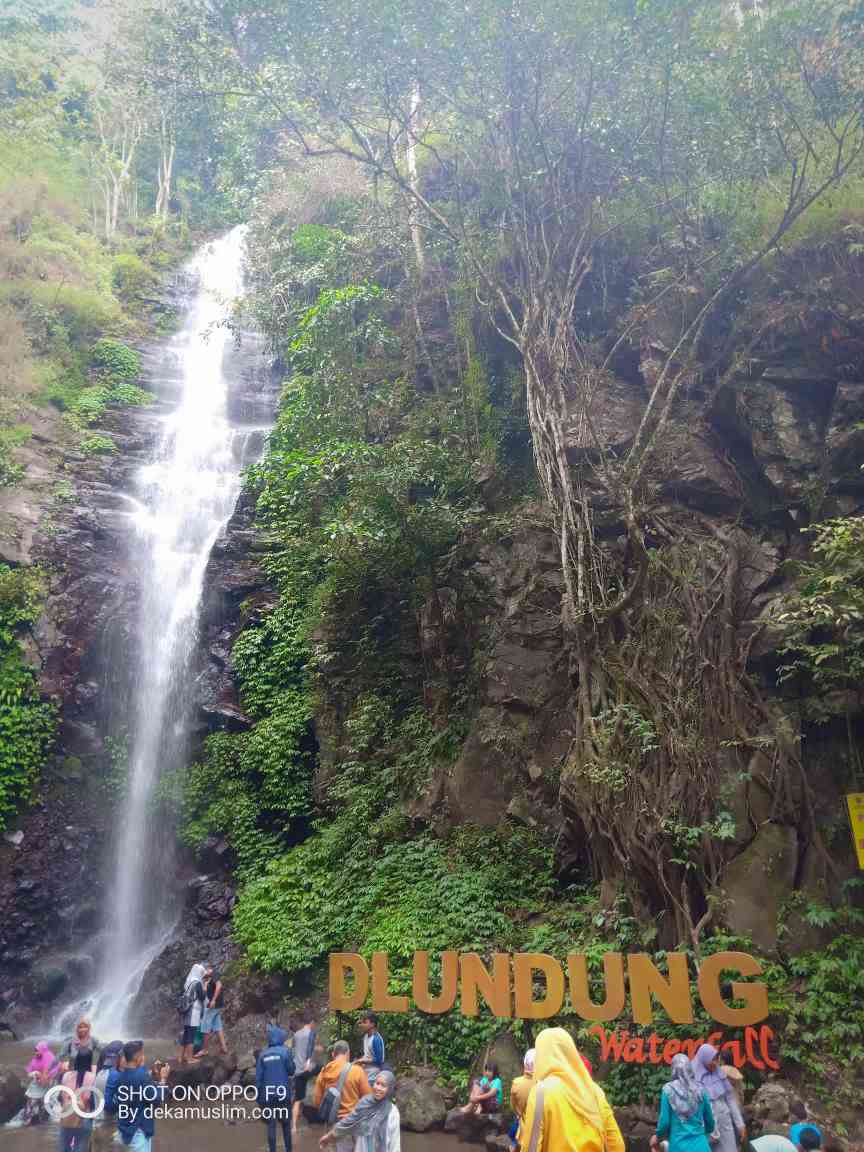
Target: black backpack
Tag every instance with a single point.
(328, 1111)
(188, 997)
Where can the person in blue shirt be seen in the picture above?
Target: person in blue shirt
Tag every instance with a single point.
(372, 1059)
(686, 1117)
(132, 1095)
(274, 1081)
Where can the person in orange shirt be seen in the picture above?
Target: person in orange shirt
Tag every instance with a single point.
(355, 1088)
(566, 1109)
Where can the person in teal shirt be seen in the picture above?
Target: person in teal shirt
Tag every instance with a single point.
(686, 1118)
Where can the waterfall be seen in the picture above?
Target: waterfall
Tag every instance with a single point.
(182, 501)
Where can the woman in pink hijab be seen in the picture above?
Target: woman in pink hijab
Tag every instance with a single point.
(42, 1071)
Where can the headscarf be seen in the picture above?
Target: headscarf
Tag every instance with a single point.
(275, 1035)
(683, 1091)
(714, 1083)
(528, 1061)
(44, 1060)
(370, 1117)
(559, 1058)
(196, 974)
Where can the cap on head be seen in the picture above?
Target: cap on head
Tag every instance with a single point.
(806, 1136)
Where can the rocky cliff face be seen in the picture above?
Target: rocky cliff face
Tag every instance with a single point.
(71, 516)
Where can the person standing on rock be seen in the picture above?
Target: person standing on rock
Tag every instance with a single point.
(373, 1125)
(686, 1118)
(729, 1128)
(274, 1083)
(191, 1005)
(566, 1109)
(304, 1060)
(211, 1022)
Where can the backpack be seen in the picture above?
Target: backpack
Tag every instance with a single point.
(188, 997)
(328, 1111)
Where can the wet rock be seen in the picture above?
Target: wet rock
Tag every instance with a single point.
(48, 981)
(472, 1128)
(11, 1093)
(16, 839)
(421, 1100)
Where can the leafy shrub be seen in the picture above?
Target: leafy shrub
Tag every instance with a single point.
(97, 445)
(27, 723)
(113, 361)
(131, 278)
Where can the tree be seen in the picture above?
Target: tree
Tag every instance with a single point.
(562, 146)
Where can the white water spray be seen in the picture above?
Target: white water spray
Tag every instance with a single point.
(182, 502)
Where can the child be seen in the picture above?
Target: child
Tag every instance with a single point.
(487, 1094)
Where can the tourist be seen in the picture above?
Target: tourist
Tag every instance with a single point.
(304, 1062)
(211, 1022)
(733, 1075)
(83, 1040)
(373, 1125)
(373, 1047)
(487, 1093)
(107, 1077)
(686, 1118)
(340, 1071)
(134, 1095)
(192, 1006)
(566, 1109)
(520, 1090)
(729, 1128)
(521, 1087)
(74, 1129)
(42, 1072)
(802, 1138)
(274, 1081)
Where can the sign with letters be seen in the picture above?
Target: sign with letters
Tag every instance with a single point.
(533, 986)
(855, 803)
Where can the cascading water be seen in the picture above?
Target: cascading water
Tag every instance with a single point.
(182, 501)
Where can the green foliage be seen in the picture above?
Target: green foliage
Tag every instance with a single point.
(131, 278)
(27, 723)
(114, 362)
(824, 621)
(97, 445)
(338, 891)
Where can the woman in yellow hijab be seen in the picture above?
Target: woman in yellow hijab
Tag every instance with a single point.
(574, 1114)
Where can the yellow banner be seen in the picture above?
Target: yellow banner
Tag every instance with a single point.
(855, 801)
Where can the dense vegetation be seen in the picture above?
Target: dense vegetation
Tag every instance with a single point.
(458, 237)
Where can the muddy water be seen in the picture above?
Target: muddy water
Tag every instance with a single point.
(191, 1135)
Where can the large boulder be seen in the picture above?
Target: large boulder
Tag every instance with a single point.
(758, 881)
(775, 1103)
(421, 1100)
(11, 1093)
(471, 1128)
